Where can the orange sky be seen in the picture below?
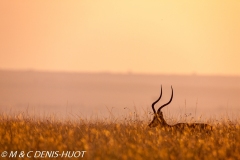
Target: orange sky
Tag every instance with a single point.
(139, 36)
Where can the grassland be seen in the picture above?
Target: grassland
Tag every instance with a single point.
(128, 139)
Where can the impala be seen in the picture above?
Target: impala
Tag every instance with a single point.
(158, 119)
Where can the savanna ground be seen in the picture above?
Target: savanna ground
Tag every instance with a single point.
(108, 139)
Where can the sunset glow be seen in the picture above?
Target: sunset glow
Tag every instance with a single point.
(169, 37)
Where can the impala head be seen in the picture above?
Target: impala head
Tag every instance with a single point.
(158, 116)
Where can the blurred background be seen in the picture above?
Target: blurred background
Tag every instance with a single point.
(87, 58)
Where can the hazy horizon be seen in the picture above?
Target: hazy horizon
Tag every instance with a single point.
(77, 95)
(117, 73)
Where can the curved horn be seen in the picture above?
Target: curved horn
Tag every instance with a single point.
(159, 109)
(156, 101)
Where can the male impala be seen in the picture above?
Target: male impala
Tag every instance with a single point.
(158, 119)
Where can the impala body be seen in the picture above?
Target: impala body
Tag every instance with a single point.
(158, 119)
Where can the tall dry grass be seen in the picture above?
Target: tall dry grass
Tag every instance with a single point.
(125, 139)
